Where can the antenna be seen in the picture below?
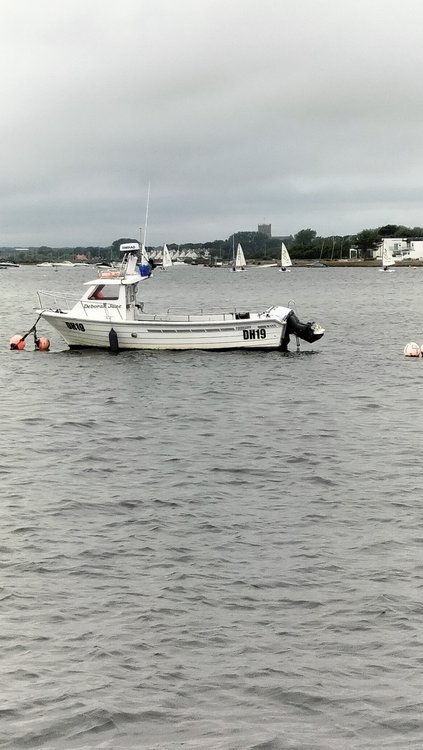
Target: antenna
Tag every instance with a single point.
(146, 215)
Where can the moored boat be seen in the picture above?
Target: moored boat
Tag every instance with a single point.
(109, 316)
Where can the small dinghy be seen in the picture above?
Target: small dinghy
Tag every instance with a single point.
(388, 261)
(286, 261)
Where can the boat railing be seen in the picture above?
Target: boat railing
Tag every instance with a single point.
(181, 314)
(62, 302)
(56, 300)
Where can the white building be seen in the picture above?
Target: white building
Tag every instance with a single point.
(401, 248)
(415, 249)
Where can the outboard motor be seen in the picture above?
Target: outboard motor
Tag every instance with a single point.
(309, 332)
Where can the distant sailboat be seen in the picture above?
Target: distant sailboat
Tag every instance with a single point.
(388, 260)
(167, 260)
(239, 263)
(286, 261)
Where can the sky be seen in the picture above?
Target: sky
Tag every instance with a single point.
(297, 113)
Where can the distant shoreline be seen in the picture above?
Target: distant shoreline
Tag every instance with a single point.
(358, 263)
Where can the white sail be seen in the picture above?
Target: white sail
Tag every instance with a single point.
(286, 261)
(167, 260)
(144, 256)
(387, 258)
(239, 259)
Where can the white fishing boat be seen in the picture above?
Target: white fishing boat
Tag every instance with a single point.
(286, 261)
(109, 316)
(388, 260)
(167, 260)
(239, 263)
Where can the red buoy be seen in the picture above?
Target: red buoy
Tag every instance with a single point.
(17, 342)
(43, 344)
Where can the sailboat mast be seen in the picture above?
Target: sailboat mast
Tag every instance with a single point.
(146, 215)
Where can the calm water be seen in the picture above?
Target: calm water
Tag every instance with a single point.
(222, 551)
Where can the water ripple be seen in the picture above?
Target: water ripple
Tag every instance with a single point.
(202, 550)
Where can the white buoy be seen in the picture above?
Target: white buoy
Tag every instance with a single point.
(412, 350)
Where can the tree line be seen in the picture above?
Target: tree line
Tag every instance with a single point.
(305, 244)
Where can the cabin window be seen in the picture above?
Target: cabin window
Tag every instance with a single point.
(105, 292)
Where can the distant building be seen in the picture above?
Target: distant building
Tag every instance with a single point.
(414, 249)
(265, 229)
(409, 247)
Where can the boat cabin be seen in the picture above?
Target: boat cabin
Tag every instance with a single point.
(112, 296)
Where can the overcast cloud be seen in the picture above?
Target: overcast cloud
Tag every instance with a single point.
(300, 113)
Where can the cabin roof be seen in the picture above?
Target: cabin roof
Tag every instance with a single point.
(131, 279)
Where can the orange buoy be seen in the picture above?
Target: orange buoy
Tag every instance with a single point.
(17, 342)
(42, 344)
(412, 350)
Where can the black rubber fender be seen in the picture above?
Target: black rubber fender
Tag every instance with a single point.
(113, 341)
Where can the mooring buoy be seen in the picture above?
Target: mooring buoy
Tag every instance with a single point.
(17, 342)
(412, 350)
(42, 344)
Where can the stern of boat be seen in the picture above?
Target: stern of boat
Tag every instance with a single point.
(310, 331)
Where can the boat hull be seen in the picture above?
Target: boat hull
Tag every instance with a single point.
(252, 333)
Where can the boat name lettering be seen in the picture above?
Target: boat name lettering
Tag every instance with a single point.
(101, 306)
(254, 333)
(75, 326)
